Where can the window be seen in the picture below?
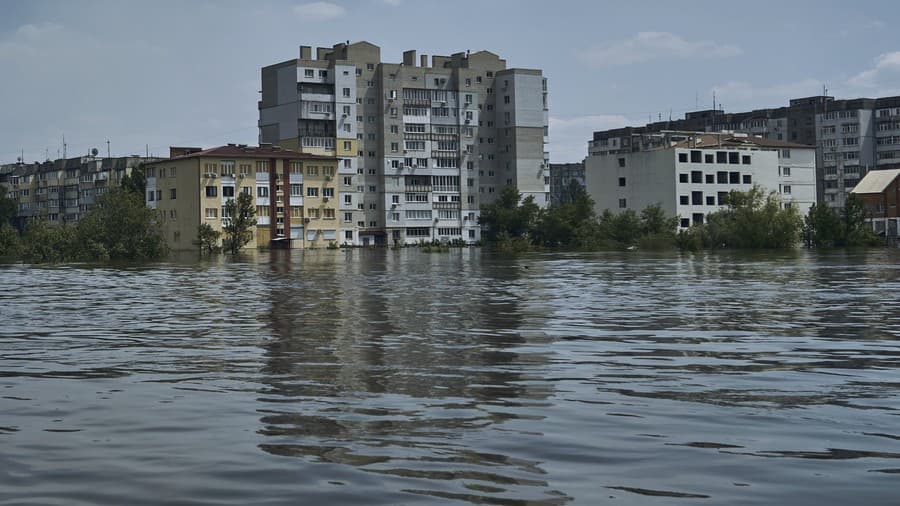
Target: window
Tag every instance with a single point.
(708, 158)
(296, 190)
(623, 203)
(151, 195)
(721, 157)
(785, 153)
(696, 156)
(621, 181)
(346, 92)
(685, 223)
(733, 157)
(328, 192)
(262, 191)
(684, 200)
(172, 193)
(328, 213)
(228, 191)
(786, 189)
(786, 171)
(212, 213)
(697, 218)
(722, 198)
(747, 179)
(373, 188)
(309, 73)
(745, 159)
(312, 191)
(697, 198)
(710, 179)
(710, 200)
(211, 191)
(682, 157)
(621, 162)
(395, 146)
(683, 178)
(734, 178)
(696, 176)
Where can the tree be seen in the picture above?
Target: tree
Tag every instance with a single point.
(7, 207)
(855, 230)
(208, 238)
(240, 219)
(505, 217)
(754, 219)
(120, 226)
(824, 227)
(10, 244)
(136, 181)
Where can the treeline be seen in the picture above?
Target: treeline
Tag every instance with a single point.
(751, 220)
(119, 227)
(573, 224)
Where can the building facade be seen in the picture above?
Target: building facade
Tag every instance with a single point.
(421, 145)
(296, 194)
(879, 192)
(62, 191)
(561, 176)
(689, 175)
(851, 136)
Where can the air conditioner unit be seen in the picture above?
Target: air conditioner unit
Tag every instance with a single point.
(305, 220)
(324, 199)
(327, 178)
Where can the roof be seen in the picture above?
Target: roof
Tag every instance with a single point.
(875, 181)
(731, 140)
(244, 151)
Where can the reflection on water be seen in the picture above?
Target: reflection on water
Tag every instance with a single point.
(396, 377)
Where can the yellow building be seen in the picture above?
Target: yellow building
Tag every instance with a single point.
(295, 194)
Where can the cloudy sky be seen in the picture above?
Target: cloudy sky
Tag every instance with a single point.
(164, 73)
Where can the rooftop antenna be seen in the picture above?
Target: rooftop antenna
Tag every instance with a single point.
(64, 146)
(107, 149)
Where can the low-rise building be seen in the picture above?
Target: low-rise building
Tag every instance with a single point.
(879, 191)
(296, 194)
(690, 174)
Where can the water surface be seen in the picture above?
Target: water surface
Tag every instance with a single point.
(398, 377)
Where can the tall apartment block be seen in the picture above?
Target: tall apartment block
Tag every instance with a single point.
(421, 147)
(851, 137)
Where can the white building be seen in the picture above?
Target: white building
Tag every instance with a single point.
(690, 174)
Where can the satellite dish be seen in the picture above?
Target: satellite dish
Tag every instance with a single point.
(94, 151)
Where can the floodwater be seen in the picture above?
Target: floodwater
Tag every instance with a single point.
(401, 377)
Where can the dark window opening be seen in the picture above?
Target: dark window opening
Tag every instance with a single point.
(697, 198)
(734, 177)
(721, 157)
(747, 179)
(682, 178)
(723, 198)
(734, 157)
(708, 158)
(745, 159)
(696, 156)
(621, 162)
(698, 218)
(710, 179)
(722, 177)
(684, 200)
(682, 157)
(621, 181)
(710, 200)
(685, 223)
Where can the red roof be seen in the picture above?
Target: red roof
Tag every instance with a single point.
(245, 151)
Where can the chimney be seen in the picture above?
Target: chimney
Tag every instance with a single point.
(305, 53)
(409, 58)
(423, 61)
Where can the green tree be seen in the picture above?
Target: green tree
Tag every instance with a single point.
(506, 218)
(45, 243)
(136, 181)
(566, 223)
(821, 227)
(240, 217)
(754, 219)
(120, 226)
(10, 244)
(7, 206)
(657, 229)
(208, 238)
(854, 229)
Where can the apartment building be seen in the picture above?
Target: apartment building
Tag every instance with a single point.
(561, 176)
(296, 194)
(690, 174)
(851, 136)
(421, 144)
(62, 191)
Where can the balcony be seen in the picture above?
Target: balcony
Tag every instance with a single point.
(317, 142)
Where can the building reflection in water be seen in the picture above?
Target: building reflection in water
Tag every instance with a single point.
(404, 364)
